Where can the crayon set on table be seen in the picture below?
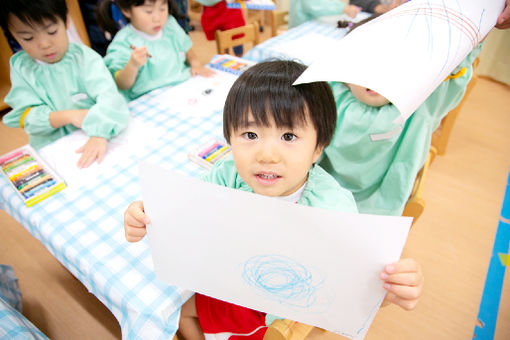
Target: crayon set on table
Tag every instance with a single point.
(209, 153)
(32, 179)
(252, 4)
(230, 64)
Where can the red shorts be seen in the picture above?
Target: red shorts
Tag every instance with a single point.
(216, 316)
(219, 17)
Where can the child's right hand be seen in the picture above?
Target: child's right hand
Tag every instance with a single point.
(139, 56)
(351, 10)
(135, 222)
(78, 116)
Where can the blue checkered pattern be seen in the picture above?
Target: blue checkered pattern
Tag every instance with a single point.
(83, 227)
(270, 48)
(14, 326)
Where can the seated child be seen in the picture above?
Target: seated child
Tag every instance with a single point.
(376, 159)
(277, 132)
(376, 6)
(217, 16)
(152, 51)
(302, 11)
(57, 86)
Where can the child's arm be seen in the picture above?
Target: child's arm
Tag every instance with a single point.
(404, 282)
(196, 66)
(126, 77)
(135, 222)
(65, 117)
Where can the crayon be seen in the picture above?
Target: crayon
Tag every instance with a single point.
(19, 162)
(28, 177)
(32, 184)
(218, 152)
(207, 155)
(28, 169)
(12, 160)
(39, 188)
(11, 156)
(206, 151)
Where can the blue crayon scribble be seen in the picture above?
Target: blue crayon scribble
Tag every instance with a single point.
(282, 278)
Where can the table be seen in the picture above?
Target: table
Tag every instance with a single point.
(82, 226)
(312, 34)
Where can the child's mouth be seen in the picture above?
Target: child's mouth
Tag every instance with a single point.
(372, 92)
(267, 178)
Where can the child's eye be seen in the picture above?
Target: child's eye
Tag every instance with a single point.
(52, 33)
(28, 39)
(289, 137)
(250, 135)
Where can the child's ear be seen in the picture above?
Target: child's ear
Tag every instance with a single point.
(67, 23)
(126, 13)
(317, 153)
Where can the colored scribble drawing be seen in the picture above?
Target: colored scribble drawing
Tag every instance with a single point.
(283, 279)
(429, 16)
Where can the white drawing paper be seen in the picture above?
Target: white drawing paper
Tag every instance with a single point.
(311, 265)
(61, 155)
(407, 52)
(198, 96)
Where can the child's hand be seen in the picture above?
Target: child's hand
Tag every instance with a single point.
(94, 149)
(199, 70)
(351, 10)
(139, 56)
(404, 281)
(135, 222)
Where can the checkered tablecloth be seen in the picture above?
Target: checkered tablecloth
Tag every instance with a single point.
(83, 227)
(273, 48)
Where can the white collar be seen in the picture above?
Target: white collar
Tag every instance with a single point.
(294, 197)
(146, 36)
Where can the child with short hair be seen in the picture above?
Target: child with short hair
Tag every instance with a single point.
(301, 11)
(277, 132)
(57, 86)
(152, 51)
(377, 159)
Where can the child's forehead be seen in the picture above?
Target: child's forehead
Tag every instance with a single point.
(27, 24)
(269, 121)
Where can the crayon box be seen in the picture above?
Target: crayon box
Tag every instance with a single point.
(31, 178)
(209, 153)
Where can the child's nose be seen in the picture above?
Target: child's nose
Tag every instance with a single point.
(44, 43)
(268, 153)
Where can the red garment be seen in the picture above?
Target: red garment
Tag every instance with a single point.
(219, 17)
(216, 316)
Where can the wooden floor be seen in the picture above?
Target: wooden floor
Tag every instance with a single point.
(453, 239)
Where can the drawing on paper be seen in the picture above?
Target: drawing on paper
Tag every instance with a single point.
(284, 279)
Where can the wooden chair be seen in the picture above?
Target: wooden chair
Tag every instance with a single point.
(278, 18)
(415, 204)
(441, 136)
(287, 330)
(225, 39)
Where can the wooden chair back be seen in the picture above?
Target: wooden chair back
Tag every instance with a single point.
(225, 40)
(278, 18)
(441, 136)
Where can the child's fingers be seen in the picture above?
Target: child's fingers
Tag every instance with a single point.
(403, 303)
(135, 215)
(100, 155)
(403, 266)
(404, 292)
(407, 279)
(87, 158)
(133, 238)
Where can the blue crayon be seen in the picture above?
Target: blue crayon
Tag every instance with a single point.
(38, 188)
(219, 146)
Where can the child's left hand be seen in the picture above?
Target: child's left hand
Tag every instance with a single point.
(94, 149)
(404, 281)
(199, 70)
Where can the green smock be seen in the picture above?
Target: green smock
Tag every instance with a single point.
(321, 189)
(208, 2)
(302, 11)
(378, 160)
(167, 64)
(79, 80)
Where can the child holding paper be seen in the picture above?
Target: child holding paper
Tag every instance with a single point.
(302, 11)
(376, 158)
(57, 86)
(152, 51)
(277, 132)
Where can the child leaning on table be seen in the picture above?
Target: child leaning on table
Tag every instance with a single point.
(301, 11)
(376, 155)
(152, 51)
(58, 87)
(277, 131)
